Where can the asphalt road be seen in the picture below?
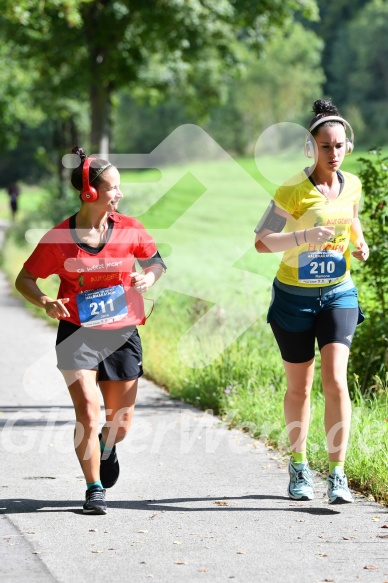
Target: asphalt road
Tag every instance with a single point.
(195, 502)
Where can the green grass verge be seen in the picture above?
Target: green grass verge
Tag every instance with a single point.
(207, 212)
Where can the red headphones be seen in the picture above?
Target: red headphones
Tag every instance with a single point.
(88, 193)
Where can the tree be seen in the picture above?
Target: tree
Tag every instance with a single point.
(368, 77)
(279, 86)
(334, 18)
(20, 118)
(31, 125)
(17, 106)
(356, 61)
(88, 49)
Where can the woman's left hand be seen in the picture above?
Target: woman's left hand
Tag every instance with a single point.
(141, 281)
(362, 251)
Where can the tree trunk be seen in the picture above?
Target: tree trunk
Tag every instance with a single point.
(100, 89)
(100, 96)
(65, 136)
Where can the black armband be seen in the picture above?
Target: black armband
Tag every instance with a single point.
(154, 260)
(271, 220)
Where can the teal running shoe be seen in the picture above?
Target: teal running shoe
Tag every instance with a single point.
(301, 485)
(338, 491)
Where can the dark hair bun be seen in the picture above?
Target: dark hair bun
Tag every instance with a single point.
(95, 170)
(76, 175)
(323, 107)
(79, 152)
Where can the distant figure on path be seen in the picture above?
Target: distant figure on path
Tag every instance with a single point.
(99, 307)
(313, 295)
(13, 192)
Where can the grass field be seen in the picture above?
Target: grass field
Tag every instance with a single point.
(207, 340)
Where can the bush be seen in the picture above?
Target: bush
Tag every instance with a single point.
(370, 348)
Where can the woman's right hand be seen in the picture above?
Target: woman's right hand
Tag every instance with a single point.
(56, 308)
(319, 235)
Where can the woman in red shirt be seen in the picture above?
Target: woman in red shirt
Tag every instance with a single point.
(99, 305)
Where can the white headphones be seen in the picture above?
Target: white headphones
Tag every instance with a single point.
(309, 145)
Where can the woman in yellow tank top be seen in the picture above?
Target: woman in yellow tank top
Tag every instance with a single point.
(312, 219)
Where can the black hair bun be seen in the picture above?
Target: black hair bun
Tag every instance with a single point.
(323, 107)
(79, 152)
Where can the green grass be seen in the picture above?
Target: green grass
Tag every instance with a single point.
(202, 217)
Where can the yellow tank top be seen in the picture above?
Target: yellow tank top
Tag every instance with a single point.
(317, 265)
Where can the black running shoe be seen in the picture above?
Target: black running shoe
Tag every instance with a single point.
(95, 502)
(109, 467)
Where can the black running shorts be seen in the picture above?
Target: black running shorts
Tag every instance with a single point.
(330, 326)
(116, 354)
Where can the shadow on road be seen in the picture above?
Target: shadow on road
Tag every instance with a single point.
(25, 505)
